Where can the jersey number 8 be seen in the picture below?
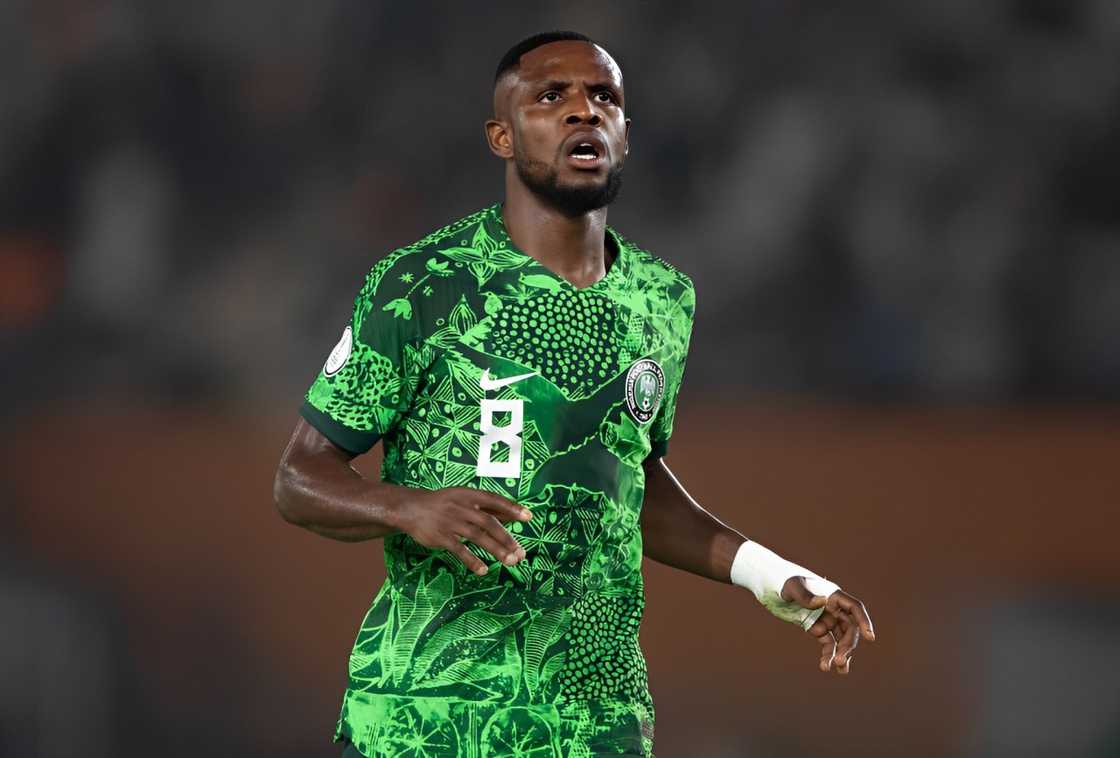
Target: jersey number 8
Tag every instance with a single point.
(510, 435)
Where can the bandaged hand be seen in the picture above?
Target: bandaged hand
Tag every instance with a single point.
(799, 596)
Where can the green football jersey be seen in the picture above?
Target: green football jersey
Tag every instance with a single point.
(479, 367)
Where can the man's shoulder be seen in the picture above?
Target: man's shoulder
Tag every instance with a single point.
(460, 232)
(649, 270)
(409, 263)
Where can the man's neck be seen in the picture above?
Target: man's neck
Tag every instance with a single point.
(572, 248)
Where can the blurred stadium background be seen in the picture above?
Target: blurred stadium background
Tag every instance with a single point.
(902, 222)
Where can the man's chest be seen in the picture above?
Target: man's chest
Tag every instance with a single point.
(567, 380)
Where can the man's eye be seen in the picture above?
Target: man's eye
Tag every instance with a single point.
(550, 97)
(606, 97)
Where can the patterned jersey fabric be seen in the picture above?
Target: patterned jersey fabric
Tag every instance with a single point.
(478, 367)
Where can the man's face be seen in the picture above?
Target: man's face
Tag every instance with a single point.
(567, 128)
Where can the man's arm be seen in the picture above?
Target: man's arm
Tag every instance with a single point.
(676, 531)
(317, 488)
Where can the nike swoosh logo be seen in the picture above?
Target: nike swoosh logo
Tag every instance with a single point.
(492, 384)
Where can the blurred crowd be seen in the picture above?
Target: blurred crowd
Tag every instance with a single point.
(911, 200)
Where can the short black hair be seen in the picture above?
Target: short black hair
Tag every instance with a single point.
(513, 55)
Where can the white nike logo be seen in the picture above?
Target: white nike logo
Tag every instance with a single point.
(492, 384)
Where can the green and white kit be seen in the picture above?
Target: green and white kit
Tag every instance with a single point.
(478, 367)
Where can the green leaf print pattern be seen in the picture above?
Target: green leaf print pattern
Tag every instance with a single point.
(485, 256)
(412, 616)
(546, 628)
(470, 627)
(518, 733)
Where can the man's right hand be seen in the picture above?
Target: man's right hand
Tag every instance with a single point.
(317, 488)
(442, 519)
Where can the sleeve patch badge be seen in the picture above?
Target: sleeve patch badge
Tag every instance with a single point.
(645, 384)
(341, 353)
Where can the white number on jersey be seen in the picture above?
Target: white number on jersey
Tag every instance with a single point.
(509, 435)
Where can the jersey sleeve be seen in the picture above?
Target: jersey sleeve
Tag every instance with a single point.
(371, 377)
(662, 428)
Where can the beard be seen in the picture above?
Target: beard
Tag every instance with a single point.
(571, 200)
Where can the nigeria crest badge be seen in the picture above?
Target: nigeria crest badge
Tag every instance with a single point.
(645, 384)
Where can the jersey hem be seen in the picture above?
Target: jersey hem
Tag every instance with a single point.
(379, 724)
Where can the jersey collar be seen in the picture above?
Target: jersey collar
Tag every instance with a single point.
(615, 275)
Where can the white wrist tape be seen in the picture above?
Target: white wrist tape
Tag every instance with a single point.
(764, 572)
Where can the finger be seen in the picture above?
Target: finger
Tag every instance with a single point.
(796, 591)
(479, 536)
(828, 651)
(823, 625)
(513, 552)
(843, 664)
(469, 559)
(502, 507)
(849, 638)
(856, 609)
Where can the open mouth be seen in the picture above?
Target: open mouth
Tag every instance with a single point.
(585, 151)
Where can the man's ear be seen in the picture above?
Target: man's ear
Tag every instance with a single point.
(626, 139)
(499, 138)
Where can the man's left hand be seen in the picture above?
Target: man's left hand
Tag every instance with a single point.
(838, 629)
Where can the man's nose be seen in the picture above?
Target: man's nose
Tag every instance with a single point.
(583, 111)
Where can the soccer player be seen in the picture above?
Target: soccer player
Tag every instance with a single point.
(521, 367)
